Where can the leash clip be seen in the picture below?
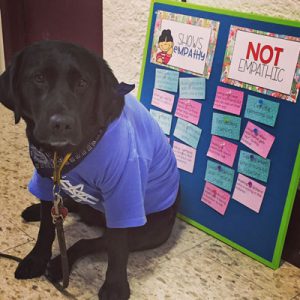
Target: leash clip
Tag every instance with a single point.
(58, 211)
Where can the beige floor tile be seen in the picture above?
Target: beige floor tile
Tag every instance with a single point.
(81, 287)
(183, 238)
(207, 270)
(10, 235)
(284, 281)
(194, 276)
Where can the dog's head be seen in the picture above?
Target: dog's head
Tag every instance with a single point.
(64, 93)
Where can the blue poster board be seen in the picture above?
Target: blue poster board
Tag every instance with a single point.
(260, 234)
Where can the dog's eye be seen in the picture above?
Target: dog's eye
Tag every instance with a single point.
(39, 78)
(82, 83)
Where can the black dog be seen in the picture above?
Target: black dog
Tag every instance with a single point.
(121, 164)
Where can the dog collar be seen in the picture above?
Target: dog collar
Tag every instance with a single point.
(44, 162)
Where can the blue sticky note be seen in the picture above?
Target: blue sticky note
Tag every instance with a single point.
(261, 110)
(226, 126)
(192, 88)
(187, 132)
(163, 119)
(254, 166)
(166, 80)
(219, 175)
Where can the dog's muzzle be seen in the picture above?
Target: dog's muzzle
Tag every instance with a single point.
(62, 130)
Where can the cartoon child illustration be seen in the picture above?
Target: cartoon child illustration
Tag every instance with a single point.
(165, 44)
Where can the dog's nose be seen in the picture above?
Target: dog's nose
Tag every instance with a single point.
(61, 125)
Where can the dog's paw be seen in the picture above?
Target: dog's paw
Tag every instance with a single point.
(114, 291)
(54, 270)
(31, 266)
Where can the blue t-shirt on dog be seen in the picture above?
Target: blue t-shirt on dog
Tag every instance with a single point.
(130, 173)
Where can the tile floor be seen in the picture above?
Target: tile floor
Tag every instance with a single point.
(190, 266)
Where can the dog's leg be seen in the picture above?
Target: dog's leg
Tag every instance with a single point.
(115, 243)
(116, 285)
(80, 249)
(118, 243)
(33, 213)
(34, 264)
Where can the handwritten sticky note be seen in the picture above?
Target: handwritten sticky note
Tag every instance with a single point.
(192, 88)
(187, 132)
(163, 100)
(185, 156)
(163, 119)
(226, 126)
(229, 100)
(215, 198)
(222, 150)
(257, 139)
(261, 110)
(188, 110)
(254, 166)
(166, 80)
(219, 175)
(249, 192)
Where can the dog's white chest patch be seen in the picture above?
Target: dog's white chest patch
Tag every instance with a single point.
(76, 192)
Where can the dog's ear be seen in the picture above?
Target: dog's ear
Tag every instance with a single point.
(109, 101)
(124, 88)
(8, 86)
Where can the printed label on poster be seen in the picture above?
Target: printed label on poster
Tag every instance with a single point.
(185, 156)
(184, 43)
(257, 139)
(263, 62)
(249, 192)
(222, 150)
(215, 197)
(188, 110)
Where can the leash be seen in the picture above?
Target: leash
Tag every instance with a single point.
(59, 213)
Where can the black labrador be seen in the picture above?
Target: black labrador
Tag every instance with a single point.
(49, 76)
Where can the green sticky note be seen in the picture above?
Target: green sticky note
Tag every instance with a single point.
(226, 126)
(261, 110)
(219, 175)
(254, 166)
(163, 119)
(166, 80)
(187, 132)
(192, 88)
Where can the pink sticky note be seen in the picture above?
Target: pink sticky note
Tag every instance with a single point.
(215, 197)
(162, 100)
(229, 100)
(249, 192)
(188, 110)
(185, 156)
(222, 150)
(257, 139)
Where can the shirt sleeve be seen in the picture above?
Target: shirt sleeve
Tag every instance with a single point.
(123, 190)
(41, 187)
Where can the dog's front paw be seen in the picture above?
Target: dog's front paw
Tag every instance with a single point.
(114, 291)
(31, 266)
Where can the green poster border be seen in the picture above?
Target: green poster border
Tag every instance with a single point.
(275, 263)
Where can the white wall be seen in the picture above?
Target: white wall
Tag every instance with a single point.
(125, 25)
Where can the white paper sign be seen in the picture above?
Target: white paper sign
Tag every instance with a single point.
(264, 61)
(190, 45)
